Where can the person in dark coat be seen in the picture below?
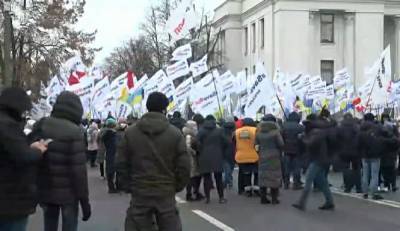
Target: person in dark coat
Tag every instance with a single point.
(269, 144)
(177, 120)
(154, 164)
(18, 160)
(229, 154)
(292, 160)
(212, 145)
(348, 138)
(317, 142)
(63, 183)
(109, 139)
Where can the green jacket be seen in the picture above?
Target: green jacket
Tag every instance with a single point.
(152, 158)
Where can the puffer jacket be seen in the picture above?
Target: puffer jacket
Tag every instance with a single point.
(152, 158)
(245, 141)
(348, 138)
(290, 133)
(18, 191)
(62, 173)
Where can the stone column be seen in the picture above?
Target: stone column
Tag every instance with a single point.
(349, 44)
(396, 60)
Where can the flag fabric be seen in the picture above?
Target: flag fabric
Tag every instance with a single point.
(199, 67)
(182, 53)
(178, 70)
(182, 20)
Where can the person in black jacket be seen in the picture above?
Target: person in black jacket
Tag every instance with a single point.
(229, 155)
(18, 194)
(212, 145)
(292, 150)
(177, 120)
(347, 137)
(110, 141)
(63, 183)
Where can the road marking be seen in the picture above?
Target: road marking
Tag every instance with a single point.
(180, 200)
(389, 203)
(212, 220)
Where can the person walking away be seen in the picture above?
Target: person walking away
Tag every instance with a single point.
(269, 143)
(247, 157)
(348, 138)
(101, 153)
(18, 162)
(212, 145)
(291, 130)
(62, 178)
(92, 134)
(316, 142)
(229, 154)
(110, 143)
(154, 163)
(190, 132)
(177, 120)
(390, 152)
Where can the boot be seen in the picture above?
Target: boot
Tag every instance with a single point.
(274, 195)
(327, 207)
(264, 199)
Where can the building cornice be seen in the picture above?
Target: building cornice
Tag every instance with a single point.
(225, 18)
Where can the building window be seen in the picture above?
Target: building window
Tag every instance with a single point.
(222, 45)
(327, 71)
(253, 31)
(262, 31)
(254, 69)
(247, 71)
(246, 40)
(327, 28)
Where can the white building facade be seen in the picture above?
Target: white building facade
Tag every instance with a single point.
(316, 37)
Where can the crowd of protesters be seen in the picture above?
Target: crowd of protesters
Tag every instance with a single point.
(155, 157)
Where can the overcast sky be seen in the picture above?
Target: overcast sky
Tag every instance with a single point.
(118, 20)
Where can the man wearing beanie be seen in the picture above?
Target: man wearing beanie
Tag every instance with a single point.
(63, 183)
(18, 162)
(153, 162)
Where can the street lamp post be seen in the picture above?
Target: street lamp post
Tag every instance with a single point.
(8, 66)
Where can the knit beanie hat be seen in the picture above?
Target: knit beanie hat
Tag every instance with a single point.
(157, 102)
(68, 106)
(16, 99)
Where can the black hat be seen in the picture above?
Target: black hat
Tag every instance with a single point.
(210, 118)
(16, 99)
(68, 106)
(157, 102)
(369, 117)
(269, 118)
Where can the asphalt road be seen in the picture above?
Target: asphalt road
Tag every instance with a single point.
(246, 214)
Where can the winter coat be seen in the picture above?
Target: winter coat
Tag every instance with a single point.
(152, 158)
(178, 123)
(101, 152)
(316, 141)
(62, 173)
(18, 191)
(212, 146)
(290, 133)
(245, 141)
(392, 145)
(348, 138)
(92, 134)
(270, 145)
(229, 131)
(190, 133)
(110, 143)
(371, 140)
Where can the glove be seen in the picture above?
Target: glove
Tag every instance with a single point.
(86, 210)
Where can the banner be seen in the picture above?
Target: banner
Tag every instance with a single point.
(54, 88)
(285, 91)
(100, 91)
(342, 78)
(178, 69)
(84, 90)
(204, 97)
(123, 110)
(182, 53)
(199, 67)
(182, 93)
(182, 19)
(381, 72)
(260, 93)
(118, 84)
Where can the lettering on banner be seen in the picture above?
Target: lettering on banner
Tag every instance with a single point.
(180, 26)
(259, 79)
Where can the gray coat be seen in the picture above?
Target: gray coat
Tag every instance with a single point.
(212, 145)
(270, 144)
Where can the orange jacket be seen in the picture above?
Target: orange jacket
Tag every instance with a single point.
(245, 150)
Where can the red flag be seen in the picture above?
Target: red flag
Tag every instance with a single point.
(73, 79)
(357, 101)
(80, 74)
(130, 81)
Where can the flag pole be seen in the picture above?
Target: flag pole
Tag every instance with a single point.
(280, 104)
(215, 87)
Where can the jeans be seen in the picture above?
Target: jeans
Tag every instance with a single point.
(370, 175)
(14, 225)
(69, 217)
(352, 173)
(316, 172)
(292, 165)
(228, 170)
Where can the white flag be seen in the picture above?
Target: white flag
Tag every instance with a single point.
(182, 93)
(261, 92)
(204, 96)
(182, 19)
(182, 53)
(100, 91)
(178, 69)
(381, 72)
(84, 90)
(54, 88)
(199, 67)
(123, 110)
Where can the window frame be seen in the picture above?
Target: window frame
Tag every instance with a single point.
(326, 23)
(325, 70)
(262, 33)
(246, 40)
(254, 37)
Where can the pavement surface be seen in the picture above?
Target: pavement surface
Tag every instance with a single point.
(247, 214)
